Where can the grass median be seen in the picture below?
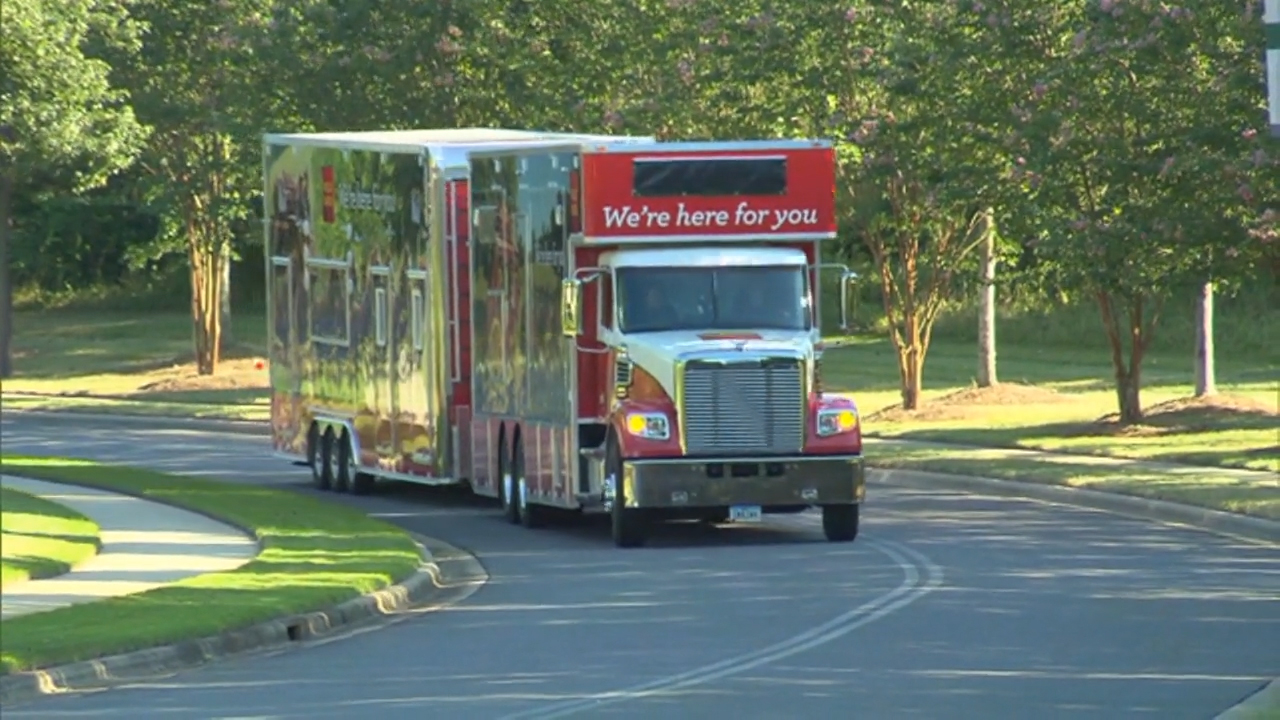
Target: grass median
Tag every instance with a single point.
(314, 554)
(41, 539)
(1246, 492)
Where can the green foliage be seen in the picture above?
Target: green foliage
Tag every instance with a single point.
(70, 128)
(1116, 140)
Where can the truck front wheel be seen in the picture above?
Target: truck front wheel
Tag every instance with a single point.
(630, 525)
(840, 522)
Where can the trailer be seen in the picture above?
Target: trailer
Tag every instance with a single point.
(562, 322)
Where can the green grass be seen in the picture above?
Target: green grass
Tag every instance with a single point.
(1065, 411)
(136, 363)
(41, 539)
(1263, 706)
(64, 346)
(260, 410)
(1219, 489)
(314, 554)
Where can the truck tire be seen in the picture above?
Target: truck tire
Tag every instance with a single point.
(342, 463)
(506, 489)
(840, 522)
(531, 515)
(315, 457)
(350, 477)
(629, 525)
(325, 480)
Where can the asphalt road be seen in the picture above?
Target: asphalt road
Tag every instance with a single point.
(948, 606)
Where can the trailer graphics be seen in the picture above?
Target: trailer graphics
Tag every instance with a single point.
(561, 322)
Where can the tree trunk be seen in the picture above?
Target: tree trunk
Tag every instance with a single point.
(1128, 392)
(911, 366)
(1206, 380)
(1128, 373)
(987, 314)
(224, 291)
(911, 352)
(6, 286)
(206, 302)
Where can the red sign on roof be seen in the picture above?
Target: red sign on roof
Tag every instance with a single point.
(661, 192)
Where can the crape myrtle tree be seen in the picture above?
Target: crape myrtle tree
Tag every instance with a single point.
(193, 81)
(63, 126)
(919, 104)
(361, 66)
(1138, 157)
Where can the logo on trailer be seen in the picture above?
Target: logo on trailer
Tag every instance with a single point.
(330, 189)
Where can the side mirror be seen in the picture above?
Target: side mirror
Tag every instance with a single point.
(847, 282)
(571, 307)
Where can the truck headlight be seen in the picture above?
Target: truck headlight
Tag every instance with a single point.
(653, 426)
(833, 422)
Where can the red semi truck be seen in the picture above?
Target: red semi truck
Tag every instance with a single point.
(562, 322)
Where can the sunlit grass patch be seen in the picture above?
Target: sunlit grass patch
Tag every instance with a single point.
(314, 554)
(40, 538)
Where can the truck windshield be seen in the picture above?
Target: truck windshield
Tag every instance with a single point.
(713, 298)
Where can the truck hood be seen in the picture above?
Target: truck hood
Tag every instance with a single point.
(657, 352)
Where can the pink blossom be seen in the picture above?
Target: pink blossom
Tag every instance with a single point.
(1106, 5)
(685, 68)
(1168, 165)
(1039, 90)
(851, 15)
(1245, 192)
(1078, 41)
(1249, 133)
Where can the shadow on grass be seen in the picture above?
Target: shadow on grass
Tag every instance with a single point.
(1210, 436)
(53, 345)
(869, 365)
(35, 568)
(1259, 496)
(314, 554)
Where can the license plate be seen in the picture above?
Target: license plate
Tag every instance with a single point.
(744, 513)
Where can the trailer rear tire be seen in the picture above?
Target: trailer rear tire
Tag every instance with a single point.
(531, 515)
(325, 480)
(315, 457)
(342, 463)
(840, 522)
(506, 485)
(630, 526)
(350, 477)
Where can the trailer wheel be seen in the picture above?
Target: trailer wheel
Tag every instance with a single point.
(361, 483)
(531, 516)
(630, 525)
(342, 462)
(350, 478)
(506, 489)
(327, 461)
(840, 522)
(315, 457)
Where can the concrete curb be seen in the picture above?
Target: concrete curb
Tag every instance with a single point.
(1238, 526)
(148, 422)
(447, 575)
(1252, 707)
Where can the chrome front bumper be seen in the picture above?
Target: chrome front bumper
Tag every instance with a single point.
(716, 482)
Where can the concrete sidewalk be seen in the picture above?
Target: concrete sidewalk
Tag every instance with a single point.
(144, 545)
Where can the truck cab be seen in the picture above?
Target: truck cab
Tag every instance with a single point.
(699, 347)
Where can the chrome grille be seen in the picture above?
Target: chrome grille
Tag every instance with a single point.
(746, 406)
